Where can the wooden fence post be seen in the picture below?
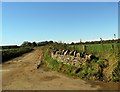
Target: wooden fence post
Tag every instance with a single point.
(84, 47)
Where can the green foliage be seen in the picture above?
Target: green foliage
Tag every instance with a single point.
(51, 63)
(9, 47)
(101, 50)
(26, 44)
(55, 65)
(91, 70)
(116, 74)
(11, 53)
(84, 71)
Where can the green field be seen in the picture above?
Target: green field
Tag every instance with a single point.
(98, 48)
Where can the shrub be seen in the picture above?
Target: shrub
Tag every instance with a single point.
(12, 53)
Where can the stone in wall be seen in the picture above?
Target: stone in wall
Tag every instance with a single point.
(63, 51)
(66, 52)
(71, 52)
(75, 53)
(82, 55)
(76, 70)
(78, 55)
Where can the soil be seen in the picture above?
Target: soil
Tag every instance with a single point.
(21, 73)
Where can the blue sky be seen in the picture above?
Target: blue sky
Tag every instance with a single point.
(58, 21)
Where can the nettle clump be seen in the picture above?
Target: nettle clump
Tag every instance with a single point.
(116, 73)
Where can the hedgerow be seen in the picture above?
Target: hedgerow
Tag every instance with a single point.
(12, 53)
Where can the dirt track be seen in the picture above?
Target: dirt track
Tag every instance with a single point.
(21, 74)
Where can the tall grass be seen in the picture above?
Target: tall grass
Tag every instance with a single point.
(54, 64)
(99, 49)
(103, 51)
(110, 51)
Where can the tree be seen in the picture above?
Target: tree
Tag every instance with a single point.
(72, 43)
(26, 43)
(34, 44)
(50, 42)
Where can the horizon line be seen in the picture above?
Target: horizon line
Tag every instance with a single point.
(68, 42)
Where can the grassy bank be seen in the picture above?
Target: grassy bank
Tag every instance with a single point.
(54, 64)
(97, 70)
(110, 52)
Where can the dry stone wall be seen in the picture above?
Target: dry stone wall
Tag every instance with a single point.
(73, 57)
(87, 65)
(81, 64)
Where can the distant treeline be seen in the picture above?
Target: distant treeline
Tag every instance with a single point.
(9, 47)
(98, 42)
(34, 44)
(26, 43)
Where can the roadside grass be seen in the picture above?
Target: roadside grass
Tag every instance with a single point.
(55, 65)
(110, 52)
(105, 52)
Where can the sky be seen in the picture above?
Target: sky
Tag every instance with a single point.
(58, 21)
